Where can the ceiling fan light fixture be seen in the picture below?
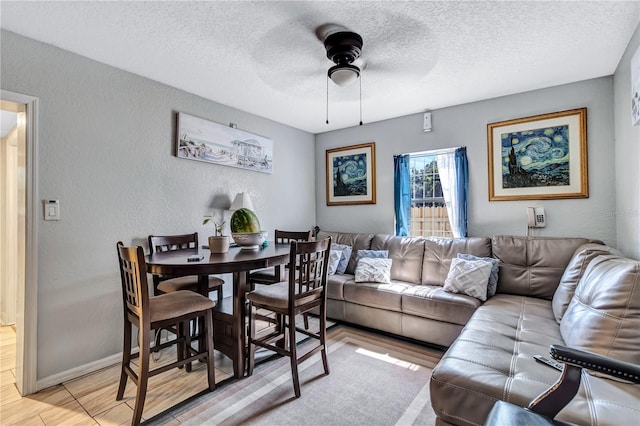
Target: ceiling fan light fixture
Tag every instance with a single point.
(344, 74)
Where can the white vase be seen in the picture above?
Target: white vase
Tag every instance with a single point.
(219, 244)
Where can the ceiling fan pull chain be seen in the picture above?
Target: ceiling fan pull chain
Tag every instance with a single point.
(360, 99)
(327, 99)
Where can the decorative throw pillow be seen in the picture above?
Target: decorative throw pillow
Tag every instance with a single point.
(334, 260)
(492, 285)
(346, 255)
(375, 254)
(468, 277)
(373, 270)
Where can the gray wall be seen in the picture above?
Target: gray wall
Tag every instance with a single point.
(466, 125)
(627, 210)
(106, 152)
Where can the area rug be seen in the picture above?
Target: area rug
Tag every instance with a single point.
(373, 380)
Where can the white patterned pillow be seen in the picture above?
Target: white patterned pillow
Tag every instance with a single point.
(492, 285)
(334, 260)
(373, 270)
(468, 277)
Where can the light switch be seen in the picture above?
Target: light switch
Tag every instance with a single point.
(51, 209)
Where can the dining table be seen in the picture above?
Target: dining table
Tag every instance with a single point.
(229, 314)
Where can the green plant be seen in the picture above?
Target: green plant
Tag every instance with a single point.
(218, 226)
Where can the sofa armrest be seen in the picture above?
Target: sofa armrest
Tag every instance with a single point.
(601, 364)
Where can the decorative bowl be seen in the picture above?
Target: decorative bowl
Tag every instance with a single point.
(249, 240)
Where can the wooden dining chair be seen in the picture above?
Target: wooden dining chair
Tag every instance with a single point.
(305, 290)
(148, 313)
(161, 284)
(268, 276)
(272, 275)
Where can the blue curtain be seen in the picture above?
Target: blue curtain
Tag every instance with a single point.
(402, 194)
(462, 183)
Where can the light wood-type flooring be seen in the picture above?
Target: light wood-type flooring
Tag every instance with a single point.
(91, 399)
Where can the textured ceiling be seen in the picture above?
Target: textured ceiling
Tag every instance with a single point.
(264, 57)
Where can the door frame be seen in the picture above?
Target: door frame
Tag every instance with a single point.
(27, 295)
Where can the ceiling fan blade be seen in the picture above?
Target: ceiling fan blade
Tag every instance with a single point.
(294, 39)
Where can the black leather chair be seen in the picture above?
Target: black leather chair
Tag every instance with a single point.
(543, 409)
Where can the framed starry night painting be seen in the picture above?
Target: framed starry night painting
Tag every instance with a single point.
(351, 175)
(539, 158)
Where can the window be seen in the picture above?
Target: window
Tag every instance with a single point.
(428, 208)
(430, 193)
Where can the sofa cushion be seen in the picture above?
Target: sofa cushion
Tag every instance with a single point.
(604, 313)
(533, 266)
(335, 286)
(492, 284)
(356, 241)
(492, 359)
(432, 302)
(373, 270)
(438, 253)
(572, 274)
(407, 254)
(468, 277)
(376, 295)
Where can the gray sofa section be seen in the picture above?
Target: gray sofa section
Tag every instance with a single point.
(589, 300)
(414, 304)
(570, 291)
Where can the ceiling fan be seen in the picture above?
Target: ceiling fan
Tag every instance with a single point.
(343, 48)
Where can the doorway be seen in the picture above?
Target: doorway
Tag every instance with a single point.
(18, 267)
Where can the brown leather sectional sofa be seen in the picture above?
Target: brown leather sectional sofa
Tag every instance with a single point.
(570, 291)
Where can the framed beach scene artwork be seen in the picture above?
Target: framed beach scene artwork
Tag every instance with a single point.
(204, 140)
(539, 157)
(351, 175)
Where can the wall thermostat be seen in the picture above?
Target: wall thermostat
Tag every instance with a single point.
(426, 126)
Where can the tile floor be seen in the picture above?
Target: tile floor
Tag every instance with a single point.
(91, 399)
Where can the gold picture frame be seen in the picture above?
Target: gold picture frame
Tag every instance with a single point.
(351, 175)
(540, 157)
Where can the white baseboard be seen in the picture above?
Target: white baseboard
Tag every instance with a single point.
(79, 371)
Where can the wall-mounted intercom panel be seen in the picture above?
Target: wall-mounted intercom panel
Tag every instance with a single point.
(536, 217)
(426, 123)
